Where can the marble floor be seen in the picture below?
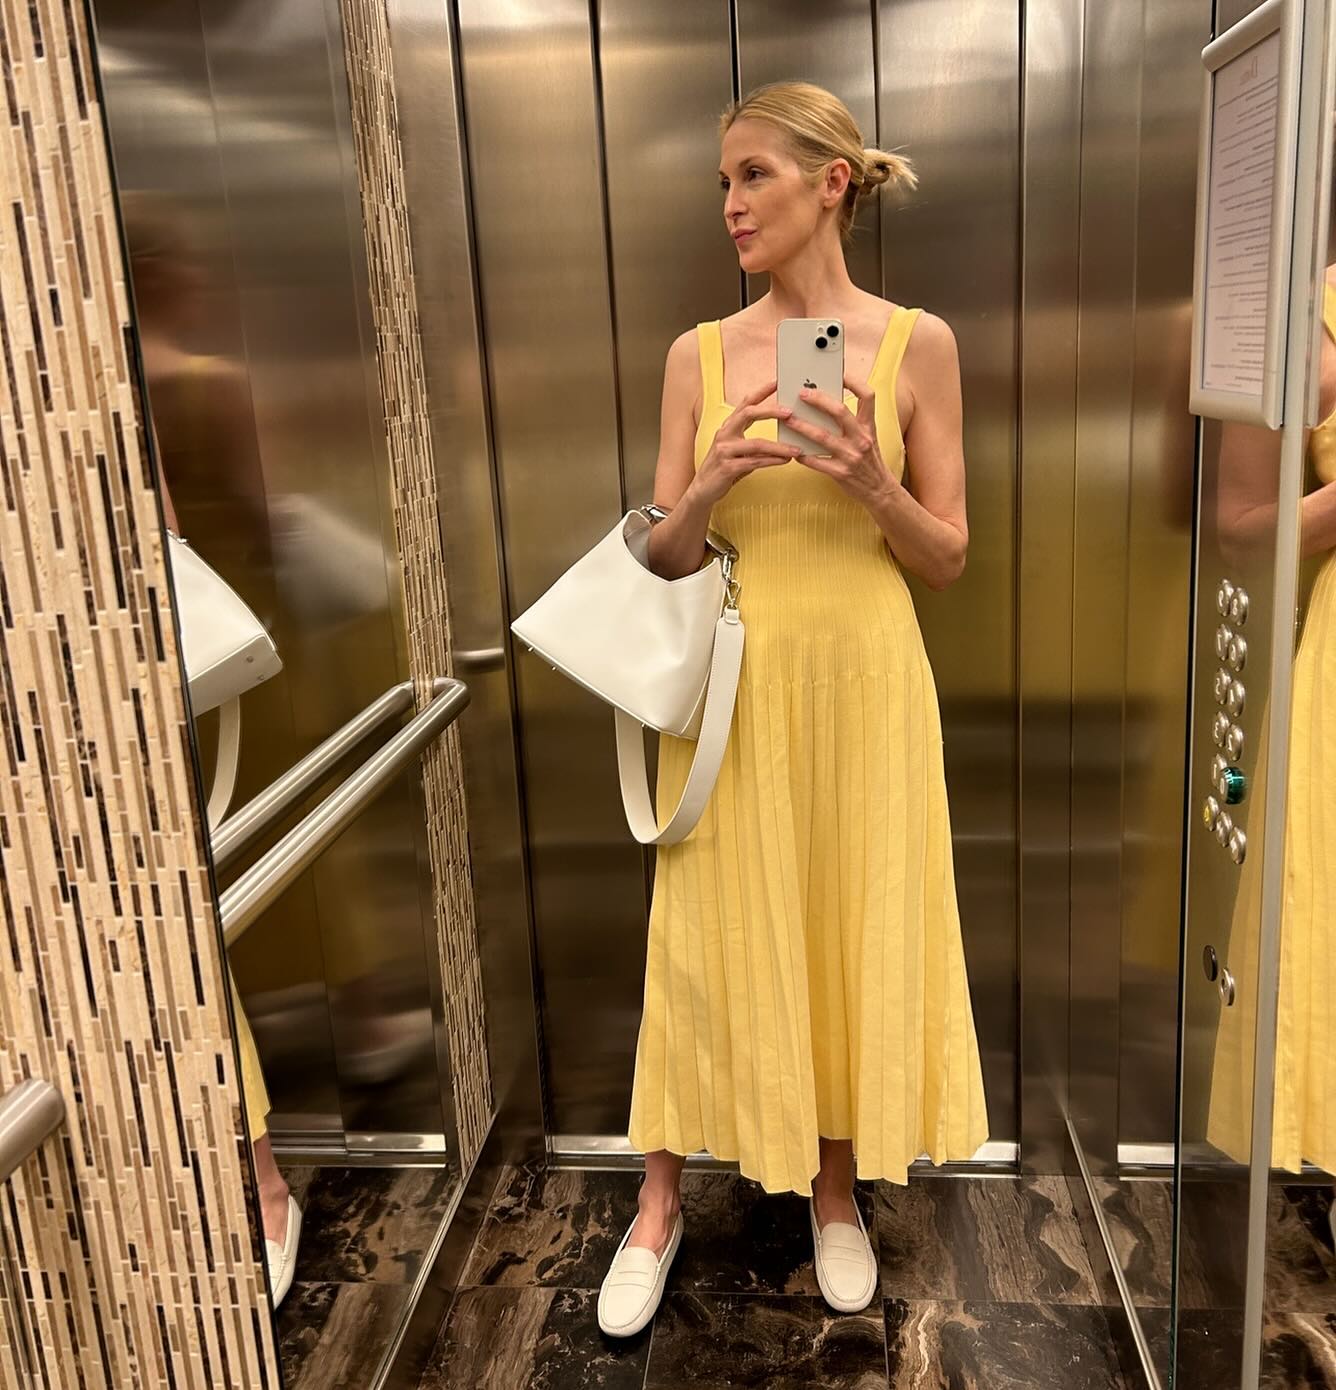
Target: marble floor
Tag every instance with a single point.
(986, 1285)
(364, 1234)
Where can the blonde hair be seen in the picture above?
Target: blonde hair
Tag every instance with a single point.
(819, 128)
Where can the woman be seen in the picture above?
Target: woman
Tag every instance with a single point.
(807, 1012)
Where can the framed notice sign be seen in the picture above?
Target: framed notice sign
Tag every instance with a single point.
(1245, 211)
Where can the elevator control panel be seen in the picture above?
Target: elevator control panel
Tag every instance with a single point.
(1229, 781)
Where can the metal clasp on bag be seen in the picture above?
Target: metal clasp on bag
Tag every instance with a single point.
(721, 545)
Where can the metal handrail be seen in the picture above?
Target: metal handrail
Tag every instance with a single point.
(29, 1115)
(246, 825)
(274, 871)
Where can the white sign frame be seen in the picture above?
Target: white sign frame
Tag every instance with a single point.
(1265, 405)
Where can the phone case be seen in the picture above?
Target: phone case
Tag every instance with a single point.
(800, 362)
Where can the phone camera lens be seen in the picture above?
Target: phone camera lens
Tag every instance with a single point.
(821, 342)
(833, 331)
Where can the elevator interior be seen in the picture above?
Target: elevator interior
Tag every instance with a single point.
(557, 168)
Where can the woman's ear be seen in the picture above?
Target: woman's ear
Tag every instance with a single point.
(838, 174)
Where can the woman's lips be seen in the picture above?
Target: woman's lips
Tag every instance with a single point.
(740, 237)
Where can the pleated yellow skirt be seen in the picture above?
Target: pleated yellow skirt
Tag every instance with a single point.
(805, 974)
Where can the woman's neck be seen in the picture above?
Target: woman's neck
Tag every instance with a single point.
(814, 282)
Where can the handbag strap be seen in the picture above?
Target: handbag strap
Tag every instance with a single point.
(225, 765)
(716, 720)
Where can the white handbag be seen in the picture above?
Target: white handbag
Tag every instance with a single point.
(665, 653)
(225, 650)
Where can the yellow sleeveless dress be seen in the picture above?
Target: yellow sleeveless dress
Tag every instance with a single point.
(1304, 1118)
(805, 974)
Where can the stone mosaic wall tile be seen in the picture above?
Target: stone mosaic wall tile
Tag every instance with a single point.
(416, 513)
(140, 1266)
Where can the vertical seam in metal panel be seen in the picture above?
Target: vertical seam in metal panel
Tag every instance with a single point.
(503, 569)
(1018, 511)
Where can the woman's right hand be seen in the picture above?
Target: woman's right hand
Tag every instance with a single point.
(732, 456)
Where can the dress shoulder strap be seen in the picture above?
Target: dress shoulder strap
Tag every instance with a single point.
(710, 341)
(897, 340)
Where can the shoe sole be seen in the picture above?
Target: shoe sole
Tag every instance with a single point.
(646, 1314)
(838, 1304)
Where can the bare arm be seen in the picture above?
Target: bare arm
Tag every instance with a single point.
(923, 520)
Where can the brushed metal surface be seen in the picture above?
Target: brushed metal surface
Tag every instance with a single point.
(436, 177)
(1110, 118)
(834, 45)
(1050, 177)
(535, 156)
(950, 94)
(231, 132)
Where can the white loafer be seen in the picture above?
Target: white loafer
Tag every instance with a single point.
(282, 1258)
(846, 1268)
(634, 1284)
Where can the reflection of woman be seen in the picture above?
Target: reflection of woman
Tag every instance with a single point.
(805, 996)
(1305, 1073)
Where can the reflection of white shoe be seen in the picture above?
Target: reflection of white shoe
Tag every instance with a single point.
(634, 1284)
(283, 1258)
(846, 1268)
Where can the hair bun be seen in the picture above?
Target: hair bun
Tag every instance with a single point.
(881, 167)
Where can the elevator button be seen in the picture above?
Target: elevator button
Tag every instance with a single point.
(1226, 988)
(1220, 729)
(1234, 742)
(1223, 637)
(1237, 655)
(1218, 764)
(1232, 785)
(1224, 596)
(1210, 963)
(1238, 845)
(1238, 606)
(1236, 698)
(1224, 827)
(1223, 683)
(1209, 811)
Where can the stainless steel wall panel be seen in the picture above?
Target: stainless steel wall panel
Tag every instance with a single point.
(1050, 176)
(1109, 144)
(236, 136)
(439, 214)
(532, 124)
(666, 76)
(1159, 553)
(950, 95)
(191, 323)
(833, 45)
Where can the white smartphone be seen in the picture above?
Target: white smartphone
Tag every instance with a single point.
(808, 352)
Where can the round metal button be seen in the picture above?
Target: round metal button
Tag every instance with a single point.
(1235, 698)
(1238, 846)
(1220, 728)
(1218, 765)
(1237, 654)
(1223, 682)
(1209, 811)
(1224, 596)
(1223, 637)
(1238, 606)
(1234, 742)
(1226, 988)
(1224, 826)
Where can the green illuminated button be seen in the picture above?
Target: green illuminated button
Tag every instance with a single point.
(1233, 785)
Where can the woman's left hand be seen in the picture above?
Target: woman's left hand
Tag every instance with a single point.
(854, 459)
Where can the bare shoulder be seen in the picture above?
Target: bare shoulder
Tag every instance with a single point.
(932, 342)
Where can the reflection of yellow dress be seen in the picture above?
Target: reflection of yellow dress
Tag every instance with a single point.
(1304, 1125)
(805, 973)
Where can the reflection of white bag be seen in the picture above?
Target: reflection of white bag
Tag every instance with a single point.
(226, 651)
(664, 653)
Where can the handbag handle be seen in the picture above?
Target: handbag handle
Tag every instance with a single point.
(712, 740)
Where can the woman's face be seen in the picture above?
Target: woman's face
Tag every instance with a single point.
(766, 198)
